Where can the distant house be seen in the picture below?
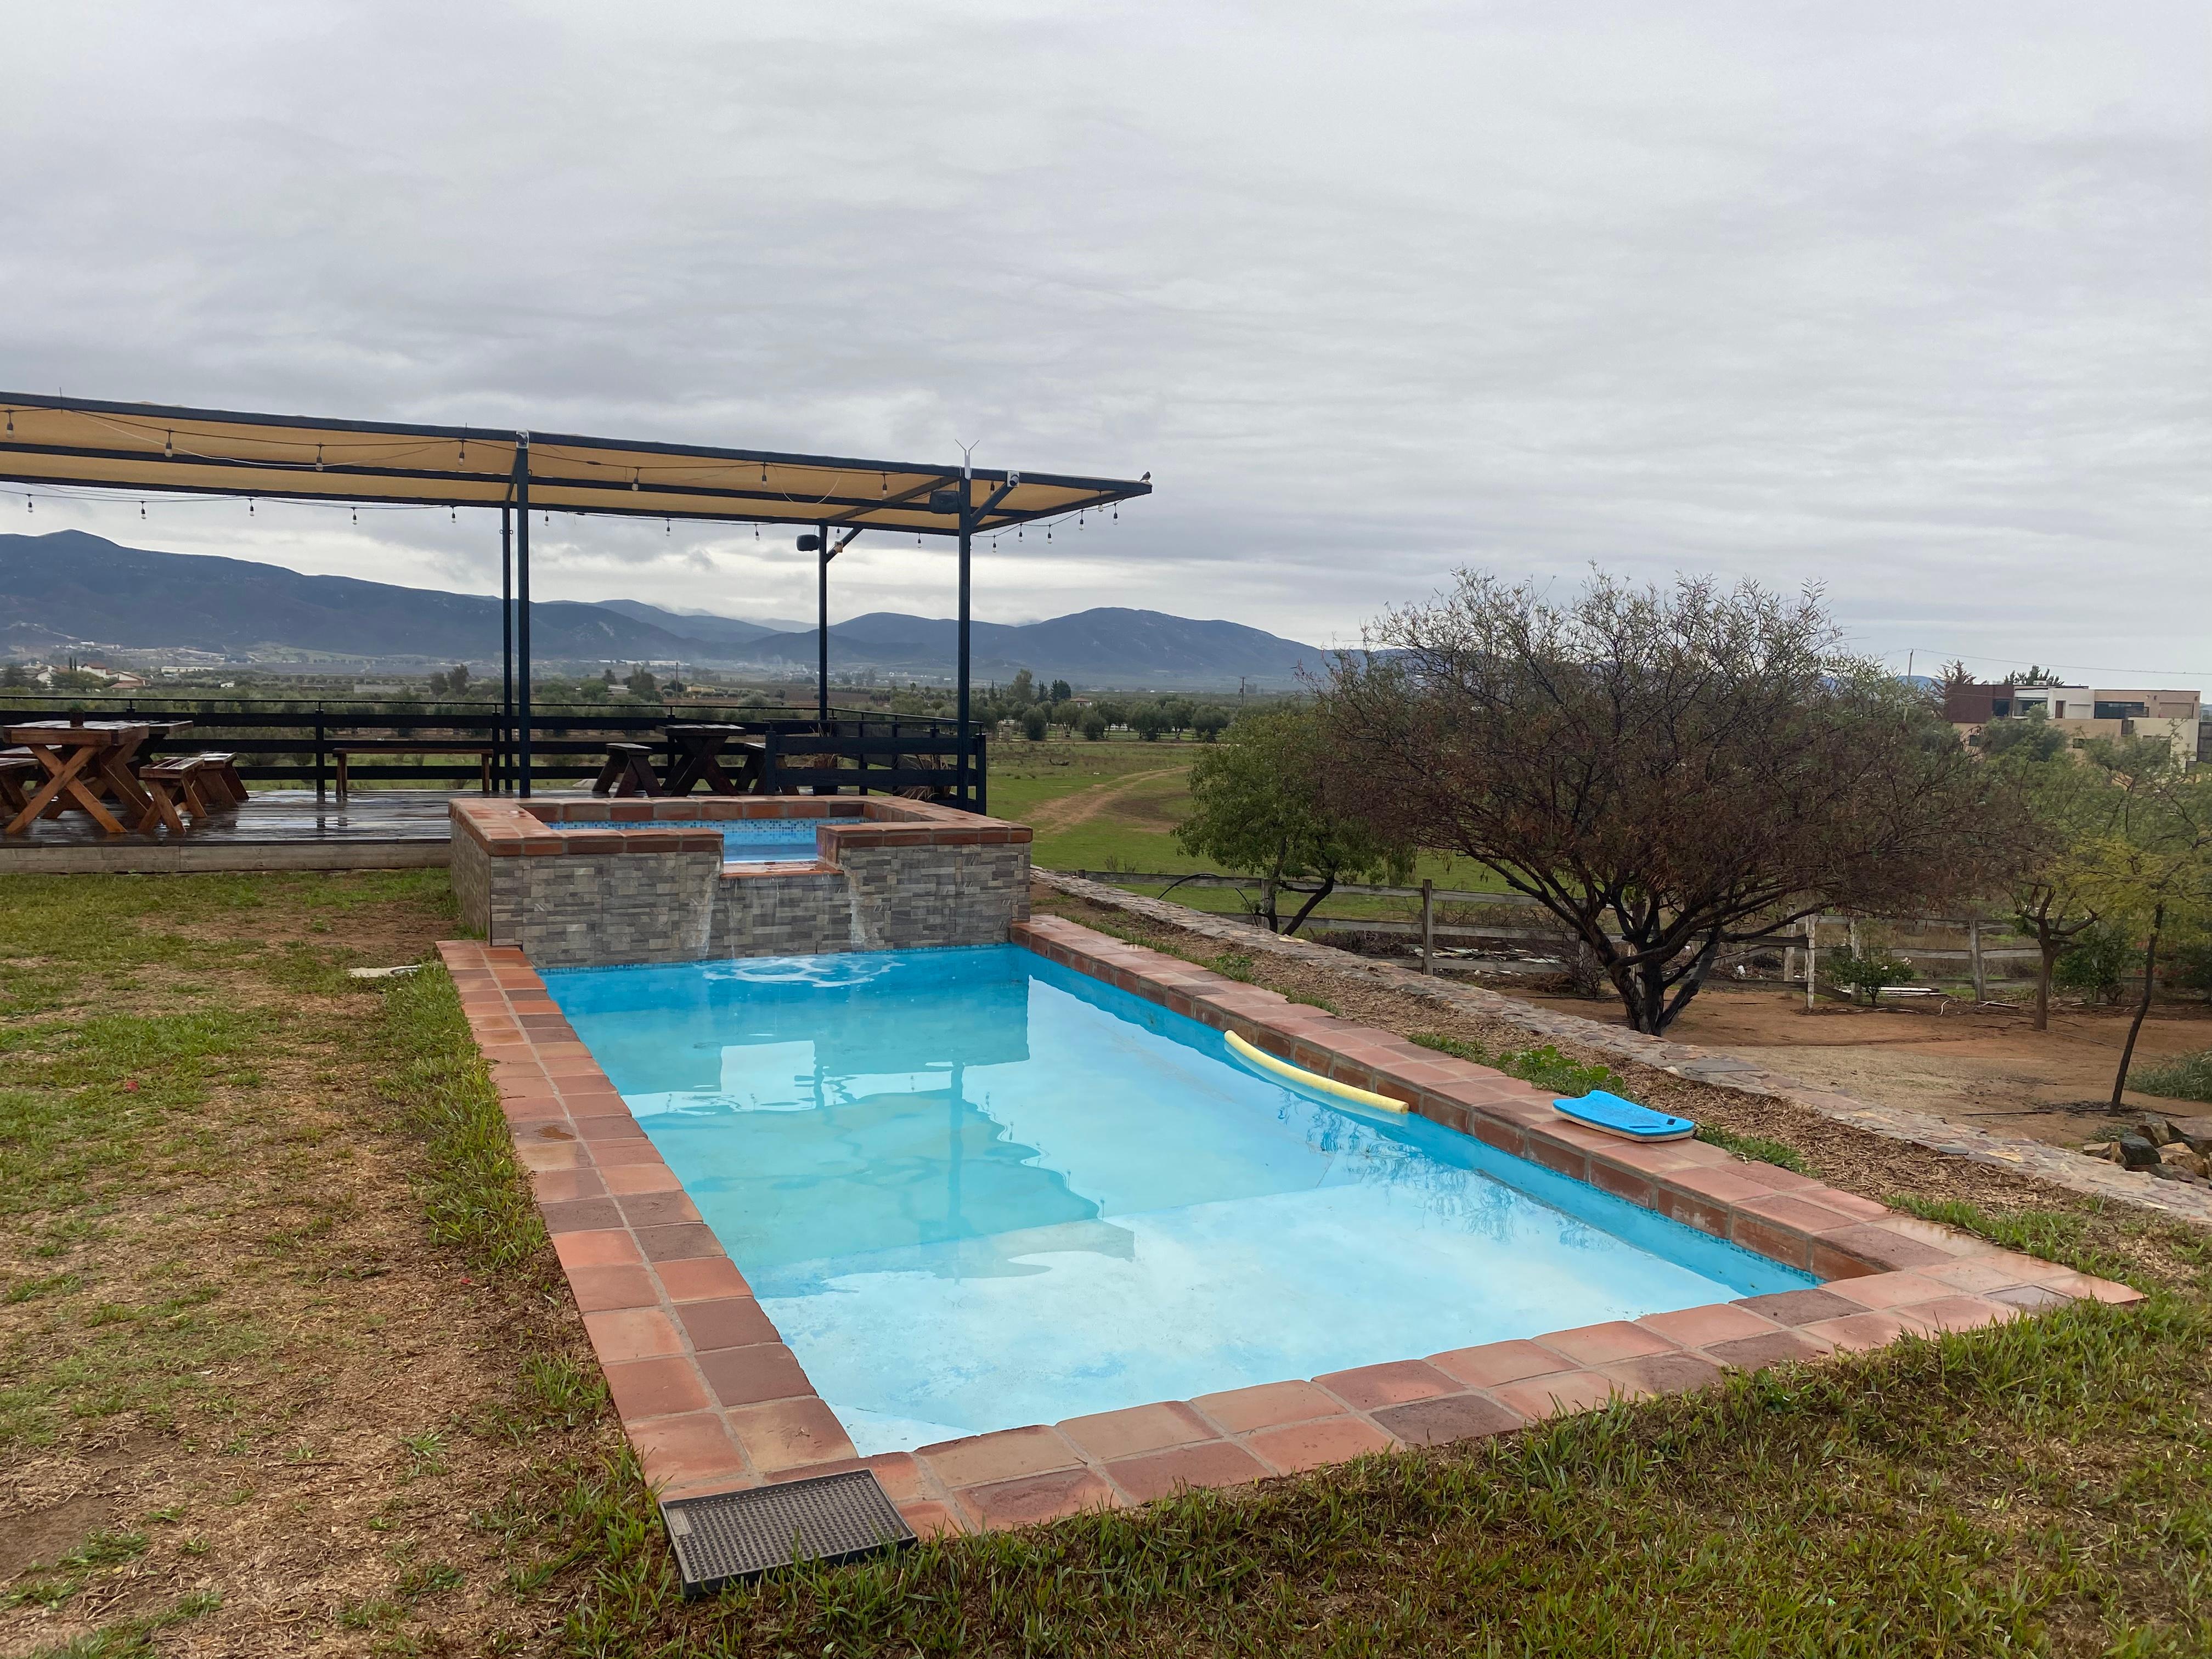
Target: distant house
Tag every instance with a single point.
(2083, 712)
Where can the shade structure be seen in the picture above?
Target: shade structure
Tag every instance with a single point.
(159, 448)
(150, 446)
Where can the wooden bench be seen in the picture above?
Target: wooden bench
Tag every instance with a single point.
(484, 751)
(628, 771)
(169, 783)
(220, 774)
(16, 765)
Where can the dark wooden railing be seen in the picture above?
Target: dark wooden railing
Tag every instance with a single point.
(292, 743)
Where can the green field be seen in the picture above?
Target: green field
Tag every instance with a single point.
(1114, 805)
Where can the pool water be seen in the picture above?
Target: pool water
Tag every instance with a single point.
(975, 1190)
(745, 840)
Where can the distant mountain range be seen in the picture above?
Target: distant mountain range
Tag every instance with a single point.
(74, 589)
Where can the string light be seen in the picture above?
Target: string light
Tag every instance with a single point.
(141, 509)
(318, 457)
(356, 515)
(249, 507)
(464, 460)
(11, 420)
(633, 479)
(168, 446)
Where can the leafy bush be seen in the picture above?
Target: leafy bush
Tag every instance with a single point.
(1035, 722)
(1868, 971)
(2189, 968)
(1094, 726)
(2095, 963)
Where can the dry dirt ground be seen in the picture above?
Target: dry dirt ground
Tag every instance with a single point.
(246, 1406)
(1987, 1069)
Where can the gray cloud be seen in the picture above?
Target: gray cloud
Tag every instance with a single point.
(1909, 300)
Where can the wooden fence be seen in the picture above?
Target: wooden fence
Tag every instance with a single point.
(1973, 952)
(293, 742)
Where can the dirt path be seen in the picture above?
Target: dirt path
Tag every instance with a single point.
(1085, 804)
(1989, 1070)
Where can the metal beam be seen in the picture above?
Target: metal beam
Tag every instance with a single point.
(522, 607)
(823, 555)
(506, 645)
(966, 726)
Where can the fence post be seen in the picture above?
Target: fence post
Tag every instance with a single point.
(983, 778)
(1428, 925)
(1974, 957)
(1812, 957)
(321, 755)
(771, 762)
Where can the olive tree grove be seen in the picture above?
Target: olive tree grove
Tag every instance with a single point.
(1669, 773)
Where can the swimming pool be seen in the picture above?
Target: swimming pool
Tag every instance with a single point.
(745, 840)
(975, 1190)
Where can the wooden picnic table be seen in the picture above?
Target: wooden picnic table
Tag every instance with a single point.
(698, 759)
(87, 763)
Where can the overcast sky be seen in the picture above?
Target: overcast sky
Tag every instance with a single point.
(1907, 300)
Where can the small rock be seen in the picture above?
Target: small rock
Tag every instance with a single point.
(2197, 1131)
(2178, 1155)
(2155, 1131)
(2137, 1151)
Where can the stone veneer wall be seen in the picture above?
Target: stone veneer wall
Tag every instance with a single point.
(895, 875)
(906, 898)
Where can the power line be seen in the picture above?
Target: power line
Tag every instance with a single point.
(2079, 667)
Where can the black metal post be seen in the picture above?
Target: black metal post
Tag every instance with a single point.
(821, 624)
(505, 740)
(967, 731)
(522, 611)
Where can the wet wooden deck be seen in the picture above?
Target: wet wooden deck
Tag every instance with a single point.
(275, 830)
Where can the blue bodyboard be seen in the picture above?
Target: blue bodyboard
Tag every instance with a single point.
(1616, 1116)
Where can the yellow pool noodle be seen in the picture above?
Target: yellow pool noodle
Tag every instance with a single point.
(1259, 1056)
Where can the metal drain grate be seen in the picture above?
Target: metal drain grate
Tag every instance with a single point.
(741, 1534)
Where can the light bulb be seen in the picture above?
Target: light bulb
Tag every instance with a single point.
(168, 446)
(318, 457)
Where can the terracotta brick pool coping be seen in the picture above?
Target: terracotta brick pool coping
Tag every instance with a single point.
(558, 826)
(713, 1400)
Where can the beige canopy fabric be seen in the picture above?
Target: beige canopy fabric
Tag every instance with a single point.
(57, 440)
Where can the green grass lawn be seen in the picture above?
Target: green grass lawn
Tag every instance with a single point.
(266, 1261)
(1033, 783)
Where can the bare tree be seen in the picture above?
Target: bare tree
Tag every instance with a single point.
(1667, 774)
